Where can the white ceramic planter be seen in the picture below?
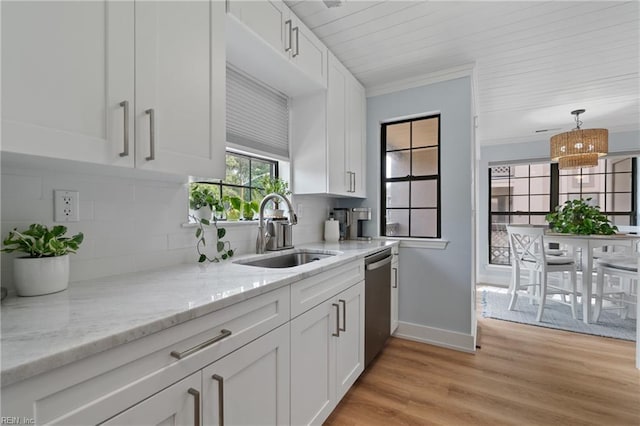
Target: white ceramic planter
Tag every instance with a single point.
(41, 275)
(273, 213)
(203, 213)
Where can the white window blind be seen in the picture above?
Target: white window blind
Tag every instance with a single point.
(257, 116)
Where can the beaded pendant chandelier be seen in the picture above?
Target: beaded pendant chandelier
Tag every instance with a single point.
(579, 147)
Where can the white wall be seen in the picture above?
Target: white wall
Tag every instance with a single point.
(621, 142)
(435, 285)
(130, 223)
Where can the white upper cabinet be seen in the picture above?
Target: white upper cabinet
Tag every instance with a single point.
(307, 52)
(266, 19)
(83, 80)
(67, 69)
(267, 41)
(328, 134)
(180, 87)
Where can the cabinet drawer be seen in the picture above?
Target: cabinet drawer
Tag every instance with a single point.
(94, 389)
(312, 291)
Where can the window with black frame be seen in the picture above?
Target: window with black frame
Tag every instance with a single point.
(525, 193)
(410, 189)
(243, 176)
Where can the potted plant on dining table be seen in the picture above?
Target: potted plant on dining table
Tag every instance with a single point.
(580, 217)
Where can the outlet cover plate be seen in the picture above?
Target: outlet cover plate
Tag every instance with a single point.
(66, 206)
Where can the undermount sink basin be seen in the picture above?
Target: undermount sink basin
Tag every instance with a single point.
(287, 260)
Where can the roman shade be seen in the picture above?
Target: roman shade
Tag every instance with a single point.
(257, 116)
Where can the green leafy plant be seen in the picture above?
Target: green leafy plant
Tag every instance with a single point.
(223, 248)
(579, 217)
(40, 241)
(274, 185)
(201, 195)
(249, 209)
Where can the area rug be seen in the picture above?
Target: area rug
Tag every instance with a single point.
(556, 315)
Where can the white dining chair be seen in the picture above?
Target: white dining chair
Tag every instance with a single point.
(616, 283)
(528, 253)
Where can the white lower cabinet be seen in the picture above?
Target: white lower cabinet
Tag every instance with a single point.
(327, 355)
(284, 357)
(251, 385)
(179, 404)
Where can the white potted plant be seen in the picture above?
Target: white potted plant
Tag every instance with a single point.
(203, 202)
(45, 268)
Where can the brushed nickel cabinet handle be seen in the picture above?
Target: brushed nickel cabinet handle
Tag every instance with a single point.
(220, 381)
(223, 334)
(288, 23)
(152, 134)
(125, 105)
(344, 315)
(395, 281)
(337, 332)
(354, 182)
(297, 52)
(196, 406)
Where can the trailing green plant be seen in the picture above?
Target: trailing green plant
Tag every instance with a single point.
(249, 209)
(223, 248)
(40, 241)
(201, 195)
(274, 185)
(579, 217)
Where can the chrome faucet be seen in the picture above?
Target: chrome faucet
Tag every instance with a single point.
(263, 237)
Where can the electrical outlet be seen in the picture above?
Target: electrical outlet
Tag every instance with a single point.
(66, 205)
(300, 211)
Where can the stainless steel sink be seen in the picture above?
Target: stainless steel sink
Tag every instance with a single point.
(287, 260)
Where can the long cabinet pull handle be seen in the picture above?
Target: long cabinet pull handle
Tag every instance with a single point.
(196, 406)
(223, 334)
(125, 105)
(220, 381)
(152, 134)
(344, 315)
(288, 23)
(297, 52)
(354, 181)
(395, 276)
(337, 332)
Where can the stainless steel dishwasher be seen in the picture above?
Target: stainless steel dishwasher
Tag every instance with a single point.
(377, 303)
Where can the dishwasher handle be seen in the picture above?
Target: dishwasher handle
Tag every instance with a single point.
(378, 264)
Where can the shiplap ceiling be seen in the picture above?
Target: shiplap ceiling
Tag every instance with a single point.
(535, 61)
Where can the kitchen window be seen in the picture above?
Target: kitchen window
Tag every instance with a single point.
(525, 193)
(410, 187)
(243, 175)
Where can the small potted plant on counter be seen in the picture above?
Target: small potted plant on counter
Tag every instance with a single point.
(277, 186)
(580, 217)
(45, 268)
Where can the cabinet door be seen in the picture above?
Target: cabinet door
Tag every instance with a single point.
(66, 67)
(336, 128)
(394, 294)
(350, 343)
(307, 52)
(313, 364)
(180, 87)
(266, 19)
(179, 404)
(355, 139)
(251, 385)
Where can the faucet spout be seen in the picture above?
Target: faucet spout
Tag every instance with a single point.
(293, 218)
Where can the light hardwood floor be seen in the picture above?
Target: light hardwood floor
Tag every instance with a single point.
(522, 375)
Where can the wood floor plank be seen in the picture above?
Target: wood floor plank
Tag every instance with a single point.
(523, 375)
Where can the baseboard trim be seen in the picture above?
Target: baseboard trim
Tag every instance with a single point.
(436, 336)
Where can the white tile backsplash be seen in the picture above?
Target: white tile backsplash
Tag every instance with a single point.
(130, 224)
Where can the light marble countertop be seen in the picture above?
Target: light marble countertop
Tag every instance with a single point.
(42, 333)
